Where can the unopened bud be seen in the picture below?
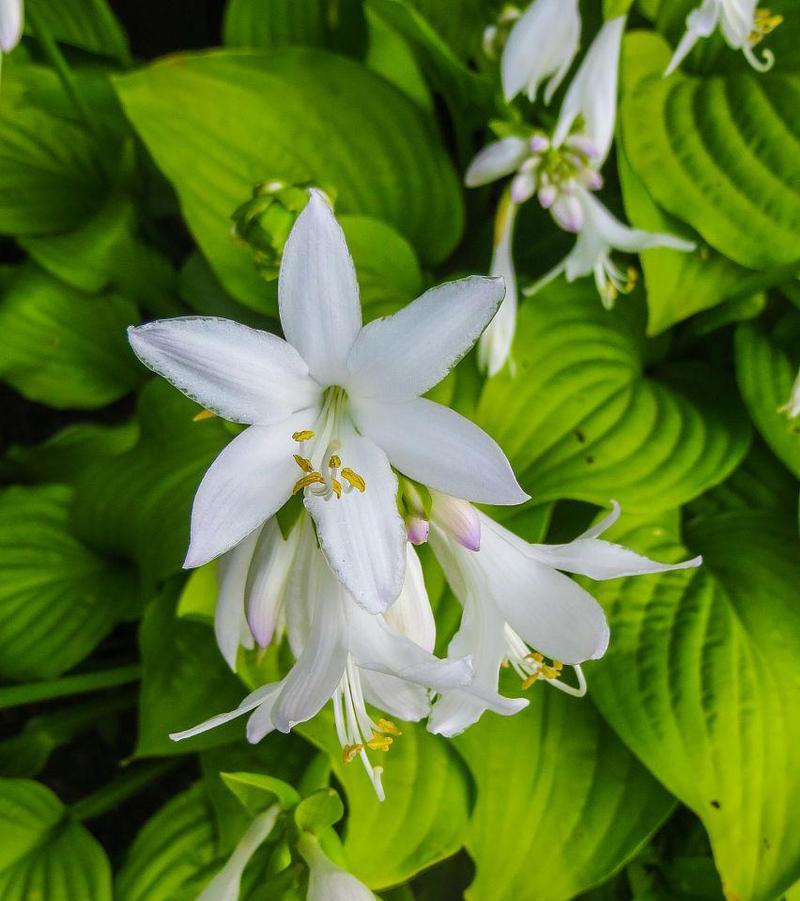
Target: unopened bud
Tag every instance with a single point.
(458, 518)
(417, 529)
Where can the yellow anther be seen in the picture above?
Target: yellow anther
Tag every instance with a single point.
(763, 23)
(380, 742)
(354, 479)
(550, 672)
(336, 487)
(313, 478)
(303, 463)
(558, 666)
(203, 414)
(303, 435)
(350, 752)
(334, 462)
(633, 278)
(388, 727)
(526, 683)
(535, 656)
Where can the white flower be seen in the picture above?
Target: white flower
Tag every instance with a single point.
(225, 885)
(792, 407)
(541, 46)
(742, 26)
(342, 652)
(494, 345)
(333, 408)
(326, 881)
(519, 608)
(11, 23)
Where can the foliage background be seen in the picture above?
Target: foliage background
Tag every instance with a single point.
(679, 776)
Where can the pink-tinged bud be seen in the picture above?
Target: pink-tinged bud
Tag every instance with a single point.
(522, 187)
(568, 213)
(592, 179)
(417, 529)
(458, 518)
(539, 143)
(585, 146)
(547, 196)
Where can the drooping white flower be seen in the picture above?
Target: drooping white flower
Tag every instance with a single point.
(342, 653)
(520, 608)
(541, 47)
(11, 24)
(326, 881)
(226, 884)
(742, 26)
(332, 409)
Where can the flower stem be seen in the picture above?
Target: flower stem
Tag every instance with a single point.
(127, 783)
(16, 695)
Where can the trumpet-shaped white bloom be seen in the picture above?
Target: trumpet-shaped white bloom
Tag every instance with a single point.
(541, 47)
(226, 884)
(326, 881)
(11, 23)
(342, 653)
(332, 409)
(742, 26)
(520, 608)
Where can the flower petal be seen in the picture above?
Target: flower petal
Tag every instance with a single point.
(549, 611)
(699, 24)
(229, 612)
(496, 160)
(494, 346)
(11, 21)
(240, 373)
(247, 483)
(267, 580)
(411, 614)
(397, 697)
(263, 695)
(318, 292)
(319, 668)
(404, 355)
(362, 535)
(440, 448)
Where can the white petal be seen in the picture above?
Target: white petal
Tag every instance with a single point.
(440, 448)
(247, 483)
(229, 612)
(240, 373)
(593, 91)
(318, 293)
(396, 697)
(263, 695)
(327, 882)
(542, 43)
(496, 160)
(11, 21)
(457, 518)
(375, 646)
(411, 613)
(699, 24)
(404, 355)
(494, 346)
(318, 670)
(267, 580)
(605, 523)
(549, 611)
(225, 885)
(362, 535)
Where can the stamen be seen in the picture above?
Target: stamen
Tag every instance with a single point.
(380, 742)
(303, 435)
(334, 462)
(336, 487)
(388, 727)
(203, 414)
(764, 22)
(354, 480)
(313, 478)
(530, 666)
(350, 752)
(304, 463)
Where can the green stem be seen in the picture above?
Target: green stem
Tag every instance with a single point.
(16, 695)
(127, 783)
(56, 59)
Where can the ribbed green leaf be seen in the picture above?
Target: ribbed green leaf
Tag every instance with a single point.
(45, 854)
(766, 374)
(173, 854)
(63, 347)
(701, 682)
(583, 419)
(424, 817)
(718, 153)
(219, 123)
(57, 597)
(88, 24)
(562, 803)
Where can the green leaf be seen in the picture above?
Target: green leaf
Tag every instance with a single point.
(45, 853)
(562, 804)
(700, 681)
(389, 55)
(583, 419)
(184, 681)
(311, 23)
(614, 8)
(174, 853)
(424, 817)
(57, 597)
(319, 811)
(220, 122)
(765, 373)
(63, 347)
(257, 791)
(137, 504)
(88, 24)
(716, 152)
